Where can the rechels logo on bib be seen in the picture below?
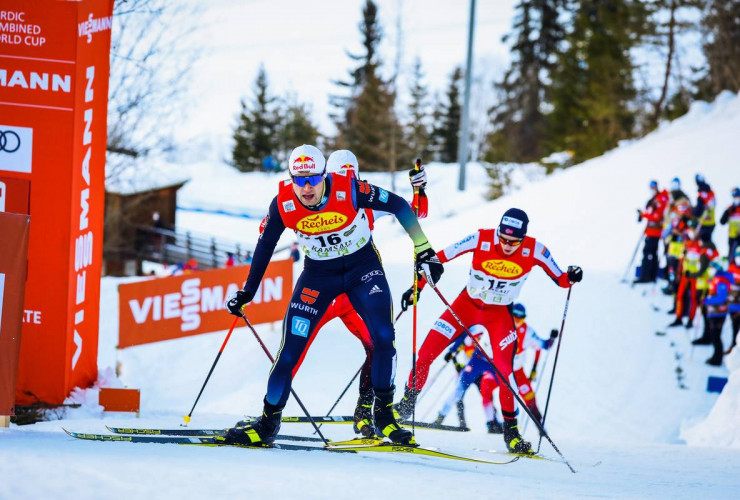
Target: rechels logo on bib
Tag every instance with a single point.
(502, 268)
(321, 223)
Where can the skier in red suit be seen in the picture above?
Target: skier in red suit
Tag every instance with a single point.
(502, 261)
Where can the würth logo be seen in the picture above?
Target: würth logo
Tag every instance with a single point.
(309, 296)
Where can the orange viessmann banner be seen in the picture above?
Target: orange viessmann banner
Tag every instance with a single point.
(191, 304)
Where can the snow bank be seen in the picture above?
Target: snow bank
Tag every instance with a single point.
(721, 427)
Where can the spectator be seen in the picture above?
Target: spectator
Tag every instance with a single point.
(732, 216)
(230, 261)
(704, 208)
(653, 214)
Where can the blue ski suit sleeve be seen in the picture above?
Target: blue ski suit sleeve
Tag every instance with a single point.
(266, 243)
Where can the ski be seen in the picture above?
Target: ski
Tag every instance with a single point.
(188, 440)
(415, 450)
(198, 432)
(348, 419)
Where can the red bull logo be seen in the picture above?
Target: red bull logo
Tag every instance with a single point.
(321, 223)
(303, 163)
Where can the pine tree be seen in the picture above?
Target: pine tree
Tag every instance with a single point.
(722, 48)
(447, 119)
(520, 124)
(365, 118)
(592, 87)
(254, 135)
(295, 127)
(417, 130)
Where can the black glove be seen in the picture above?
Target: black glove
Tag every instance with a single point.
(639, 215)
(449, 356)
(533, 374)
(554, 333)
(549, 342)
(237, 300)
(407, 299)
(428, 263)
(575, 274)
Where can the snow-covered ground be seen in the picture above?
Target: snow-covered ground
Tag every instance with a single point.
(616, 399)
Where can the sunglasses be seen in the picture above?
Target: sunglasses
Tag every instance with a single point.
(314, 180)
(511, 243)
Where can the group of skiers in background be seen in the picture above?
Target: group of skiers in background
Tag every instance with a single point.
(697, 274)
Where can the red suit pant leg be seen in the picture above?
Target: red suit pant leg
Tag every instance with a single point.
(445, 330)
(525, 388)
(502, 333)
(357, 327)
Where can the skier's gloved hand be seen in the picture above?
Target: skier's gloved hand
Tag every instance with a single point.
(418, 178)
(575, 274)
(428, 263)
(639, 215)
(533, 375)
(449, 356)
(554, 333)
(236, 301)
(407, 299)
(549, 342)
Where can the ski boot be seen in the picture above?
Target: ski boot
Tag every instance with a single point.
(364, 415)
(440, 418)
(258, 432)
(702, 341)
(495, 427)
(405, 407)
(690, 324)
(677, 322)
(514, 441)
(461, 414)
(385, 419)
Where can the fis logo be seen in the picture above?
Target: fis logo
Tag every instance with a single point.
(511, 337)
(288, 206)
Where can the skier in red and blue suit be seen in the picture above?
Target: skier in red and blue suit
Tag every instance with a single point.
(502, 261)
(326, 211)
(344, 161)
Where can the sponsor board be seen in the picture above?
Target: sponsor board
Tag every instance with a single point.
(16, 149)
(191, 304)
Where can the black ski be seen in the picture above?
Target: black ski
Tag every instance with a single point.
(198, 432)
(188, 440)
(348, 419)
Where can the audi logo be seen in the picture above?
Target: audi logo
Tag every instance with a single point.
(9, 141)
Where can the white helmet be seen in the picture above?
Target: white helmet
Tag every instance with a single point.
(343, 160)
(306, 159)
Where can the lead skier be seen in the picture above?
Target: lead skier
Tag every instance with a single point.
(326, 212)
(502, 261)
(345, 161)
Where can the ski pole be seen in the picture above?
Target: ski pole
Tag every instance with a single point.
(632, 261)
(539, 382)
(555, 364)
(218, 356)
(272, 360)
(353, 378)
(342, 394)
(417, 167)
(501, 376)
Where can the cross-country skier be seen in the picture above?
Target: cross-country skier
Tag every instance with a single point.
(653, 215)
(472, 373)
(731, 216)
(694, 282)
(326, 212)
(502, 261)
(345, 161)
